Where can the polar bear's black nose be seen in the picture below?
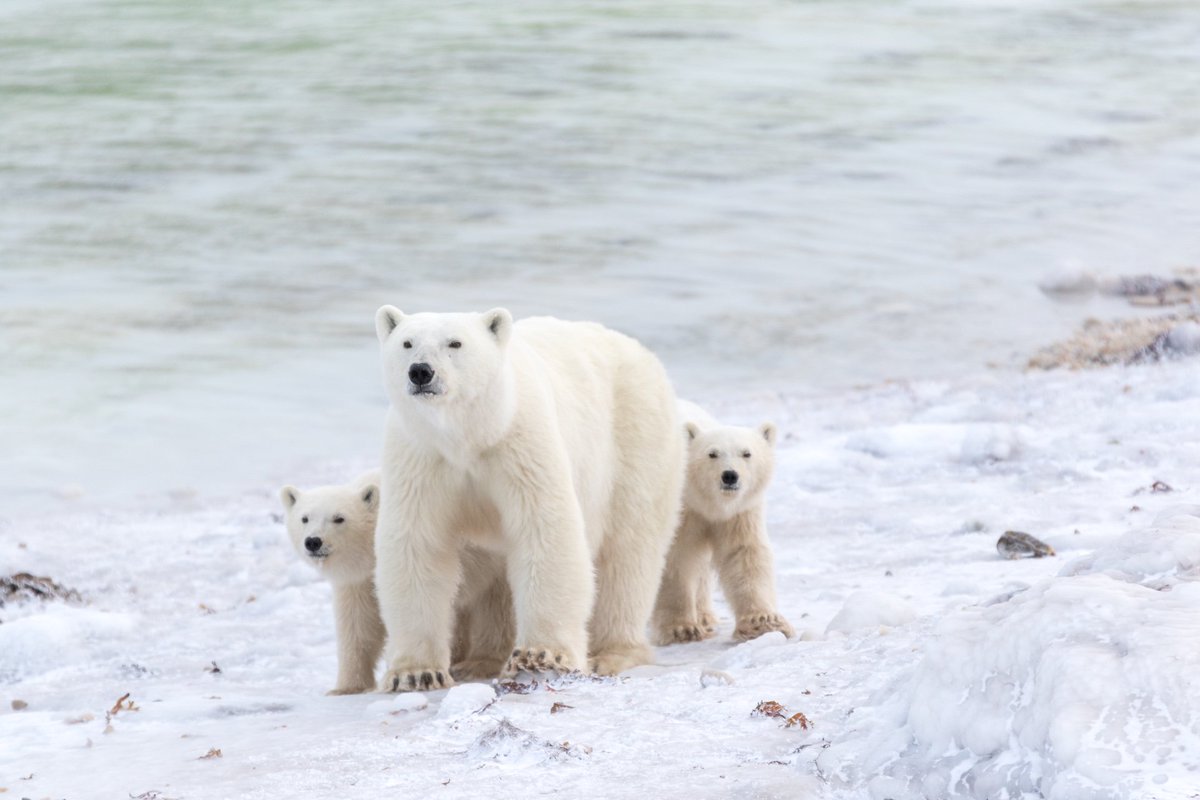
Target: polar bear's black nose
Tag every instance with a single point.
(312, 544)
(729, 477)
(420, 374)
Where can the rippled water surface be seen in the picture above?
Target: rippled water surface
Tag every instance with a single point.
(202, 204)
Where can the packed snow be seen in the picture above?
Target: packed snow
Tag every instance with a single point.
(925, 666)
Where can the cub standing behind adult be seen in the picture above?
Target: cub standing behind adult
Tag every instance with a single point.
(723, 524)
(333, 528)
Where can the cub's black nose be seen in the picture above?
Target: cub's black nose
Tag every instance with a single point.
(312, 544)
(729, 477)
(420, 374)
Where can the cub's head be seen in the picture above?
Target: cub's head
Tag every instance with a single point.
(433, 359)
(728, 468)
(333, 528)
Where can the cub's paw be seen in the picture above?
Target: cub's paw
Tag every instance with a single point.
(612, 662)
(536, 659)
(708, 624)
(341, 690)
(476, 669)
(411, 680)
(755, 625)
(680, 633)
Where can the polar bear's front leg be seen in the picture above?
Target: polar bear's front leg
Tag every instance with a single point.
(416, 576)
(550, 574)
(747, 573)
(683, 593)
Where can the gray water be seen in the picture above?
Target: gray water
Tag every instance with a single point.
(203, 203)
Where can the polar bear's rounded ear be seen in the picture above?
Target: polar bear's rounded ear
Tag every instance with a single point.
(386, 320)
(289, 495)
(370, 495)
(499, 322)
(768, 432)
(692, 430)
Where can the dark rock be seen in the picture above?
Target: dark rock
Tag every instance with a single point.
(1014, 544)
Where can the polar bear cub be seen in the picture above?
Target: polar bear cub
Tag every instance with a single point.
(728, 471)
(333, 527)
(554, 444)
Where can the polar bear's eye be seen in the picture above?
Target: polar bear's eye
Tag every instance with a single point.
(339, 519)
(304, 520)
(745, 454)
(455, 343)
(713, 454)
(407, 344)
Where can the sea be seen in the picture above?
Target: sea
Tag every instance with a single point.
(202, 204)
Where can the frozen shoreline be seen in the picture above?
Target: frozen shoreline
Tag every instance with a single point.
(886, 498)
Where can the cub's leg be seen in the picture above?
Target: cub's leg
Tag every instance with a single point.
(485, 616)
(360, 635)
(747, 573)
(705, 614)
(683, 593)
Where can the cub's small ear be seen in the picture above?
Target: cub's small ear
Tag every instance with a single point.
(289, 495)
(386, 320)
(768, 432)
(692, 430)
(370, 496)
(499, 322)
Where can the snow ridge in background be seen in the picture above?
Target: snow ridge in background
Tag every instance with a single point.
(1082, 686)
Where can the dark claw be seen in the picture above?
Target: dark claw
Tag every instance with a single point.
(516, 653)
(542, 656)
(412, 681)
(426, 680)
(395, 683)
(558, 658)
(441, 679)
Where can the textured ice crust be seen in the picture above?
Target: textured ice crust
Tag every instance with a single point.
(1074, 688)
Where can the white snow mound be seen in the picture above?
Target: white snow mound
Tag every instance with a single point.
(400, 703)
(1079, 687)
(967, 443)
(871, 610)
(464, 699)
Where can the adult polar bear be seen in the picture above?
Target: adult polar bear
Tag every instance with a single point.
(556, 444)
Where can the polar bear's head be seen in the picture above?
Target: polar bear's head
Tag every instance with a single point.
(728, 468)
(433, 359)
(333, 528)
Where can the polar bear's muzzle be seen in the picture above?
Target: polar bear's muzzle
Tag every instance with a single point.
(420, 380)
(315, 547)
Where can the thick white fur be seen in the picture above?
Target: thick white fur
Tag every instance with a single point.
(555, 444)
(346, 559)
(483, 628)
(721, 526)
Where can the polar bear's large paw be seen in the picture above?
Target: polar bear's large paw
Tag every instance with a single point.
(611, 662)
(536, 659)
(412, 680)
(681, 632)
(755, 625)
(476, 669)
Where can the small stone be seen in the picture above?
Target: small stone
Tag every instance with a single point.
(1014, 544)
(19, 705)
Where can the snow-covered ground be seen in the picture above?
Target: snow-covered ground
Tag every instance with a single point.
(946, 672)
